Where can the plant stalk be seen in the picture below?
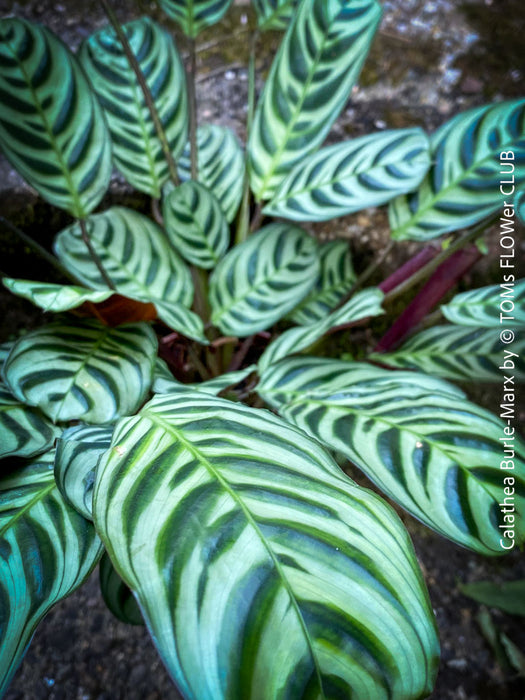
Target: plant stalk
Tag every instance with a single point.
(192, 99)
(243, 222)
(94, 256)
(150, 103)
(366, 274)
(39, 250)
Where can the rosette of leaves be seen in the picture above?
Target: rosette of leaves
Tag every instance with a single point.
(260, 569)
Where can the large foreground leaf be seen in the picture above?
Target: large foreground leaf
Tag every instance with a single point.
(51, 126)
(261, 280)
(137, 149)
(344, 178)
(436, 454)
(221, 166)
(310, 80)
(485, 307)
(462, 353)
(83, 370)
(47, 550)
(261, 570)
(195, 15)
(336, 276)
(463, 185)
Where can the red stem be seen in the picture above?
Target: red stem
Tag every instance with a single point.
(443, 279)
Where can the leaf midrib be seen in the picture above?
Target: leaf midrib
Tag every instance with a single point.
(178, 434)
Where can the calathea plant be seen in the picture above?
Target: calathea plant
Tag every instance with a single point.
(176, 420)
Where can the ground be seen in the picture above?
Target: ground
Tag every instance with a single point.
(431, 59)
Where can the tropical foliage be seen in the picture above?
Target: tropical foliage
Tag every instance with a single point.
(177, 420)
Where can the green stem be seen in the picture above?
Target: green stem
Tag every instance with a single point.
(422, 274)
(192, 99)
(93, 254)
(38, 249)
(150, 103)
(243, 222)
(197, 363)
(200, 285)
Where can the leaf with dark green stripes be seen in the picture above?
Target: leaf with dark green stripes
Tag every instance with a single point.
(463, 185)
(334, 281)
(519, 203)
(166, 384)
(140, 262)
(460, 353)
(256, 562)
(195, 15)
(344, 178)
(48, 550)
(137, 149)
(274, 14)
(311, 77)
(261, 280)
(435, 453)
(485, 306)
(363, 305)
(195, 224)
(221, 166)
(54, 297)
(24, 430)
(83, 371)
(52, 129)
(78, 451)
(116, 594)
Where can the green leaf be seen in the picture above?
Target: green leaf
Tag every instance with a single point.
(47, 551)
(54, 297)
(24, 431)
(519, 203)
(195, 224)
(117, 595)
(463, 185)
(514, 654)
(52, 129)
(83, 371)
(481, 307)
(508, 596)
(139, 261)
(362, 305)
(165, 383)
(455, 352)
(78, 451)
(195, 15)
(137, 149)
(344, 178)
(311, 77)
(334, 281)
(274, 14)
(430, 450)
(231, 527)
(261, 280)
(221, 166)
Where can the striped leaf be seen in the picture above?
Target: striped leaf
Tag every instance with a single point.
(165, 383)
(140, 262)
(221, 166)
(78, 451)
(260, 568)
(24, 431)
(334, 281)
(137, 149)
(117, 595)
(463, 185)
(344, 178)
(195, 224)
(261, 280)
(519, 203)
(54, 297)
(435, 453)
(311, 77)
(52, 129)
(83, 371)
(461, 353)
(48, 550)
(274, 14)
(360, 306)
(5, 349)
(481, 307)
(193, 16)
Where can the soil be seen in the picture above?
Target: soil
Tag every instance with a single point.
(431, 59)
